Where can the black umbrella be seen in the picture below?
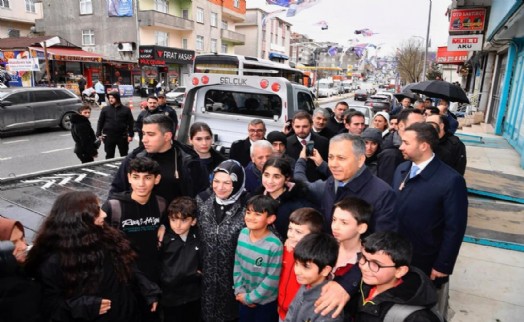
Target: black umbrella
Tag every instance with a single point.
(441, 89)
(406, 94)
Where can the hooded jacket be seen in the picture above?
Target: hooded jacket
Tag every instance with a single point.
(115, 119)
(415, 289)
(83, 135)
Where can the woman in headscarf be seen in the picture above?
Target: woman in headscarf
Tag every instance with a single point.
(221, 211)
(86, 268)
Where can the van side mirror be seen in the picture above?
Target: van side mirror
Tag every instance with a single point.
(5, 103)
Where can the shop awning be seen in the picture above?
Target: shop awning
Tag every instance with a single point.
(67, 54)
(278, 55)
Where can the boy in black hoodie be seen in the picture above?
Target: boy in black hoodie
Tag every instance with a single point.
(83, 134)
(180, 252)
(137, 214)
(391, 290)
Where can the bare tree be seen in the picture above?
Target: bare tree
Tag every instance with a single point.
(410, 60)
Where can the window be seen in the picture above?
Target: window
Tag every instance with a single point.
(161, 5)
(213, 45)
(224, 24)
(86, 7)
(199, 42)
(88, 37)
(236, 3)
(18, 98)
(242, 103)
(184, 43)
(185, 14)
(43, 96)
(200, 15)
(214, 19)
(224, 48)
(161, 38)
(30, 6)
(4, 3)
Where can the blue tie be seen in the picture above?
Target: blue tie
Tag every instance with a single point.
(413, 171)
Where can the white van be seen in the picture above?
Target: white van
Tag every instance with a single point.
(326, 88)
(227, 103)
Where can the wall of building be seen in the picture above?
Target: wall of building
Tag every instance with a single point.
(16, 17)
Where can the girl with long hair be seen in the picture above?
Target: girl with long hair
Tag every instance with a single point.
(86, 268)
(201, 138)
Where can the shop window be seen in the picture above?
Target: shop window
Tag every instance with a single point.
(200, 15)
(88, 37)
(161, 5)
(161, 38)
(86, 7)
(199, 43)
(30, 6)
(4, 3)
(214, 19)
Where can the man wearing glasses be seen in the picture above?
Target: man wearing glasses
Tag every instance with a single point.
(239, 151)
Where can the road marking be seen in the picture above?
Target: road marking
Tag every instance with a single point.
(57, 150)
(65, 134)
(15, 141)
(95, 172)
(8, 158)
(63, 178)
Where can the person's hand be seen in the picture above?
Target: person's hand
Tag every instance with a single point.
(302, 154)
(289, 244)
(332, 297)
(153, 306)
(105, 306)
(242, 299)
(129, 139)
(436, 274)
(287, 128)
(160, 234)
(316, 157)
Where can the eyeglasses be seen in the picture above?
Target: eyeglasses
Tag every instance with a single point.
(256, 131)
(373, 266)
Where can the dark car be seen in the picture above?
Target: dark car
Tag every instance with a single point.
(30, 108)
(360, 95)
(379, 103)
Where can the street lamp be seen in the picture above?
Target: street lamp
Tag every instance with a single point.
(427, 44)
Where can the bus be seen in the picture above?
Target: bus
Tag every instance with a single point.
(247, 66)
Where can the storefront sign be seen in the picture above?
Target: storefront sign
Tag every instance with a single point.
(23, 65)
(126, 90)
(465, 42)
(451, 57)
(467, 19)
(161, 56)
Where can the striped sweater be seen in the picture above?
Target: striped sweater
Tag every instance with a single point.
(257, 268)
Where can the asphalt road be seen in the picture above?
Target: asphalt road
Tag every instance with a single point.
(34, 151)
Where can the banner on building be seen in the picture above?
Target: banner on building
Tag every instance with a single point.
(465, 42)
(120, 8)
(23, 65)
(445, 56)
(467, 20)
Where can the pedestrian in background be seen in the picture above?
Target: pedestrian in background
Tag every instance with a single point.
(86, 148)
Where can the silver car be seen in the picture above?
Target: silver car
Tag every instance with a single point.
(38, 107)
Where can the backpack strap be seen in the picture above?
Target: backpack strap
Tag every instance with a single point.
(399, 312)
(116, 212)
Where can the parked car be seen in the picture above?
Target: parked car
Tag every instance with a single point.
(178, 101)
(378, 103)
(39, 107)
(171, 96)
(367, 111)
(360, 95)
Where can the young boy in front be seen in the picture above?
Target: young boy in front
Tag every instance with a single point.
(258, 260)
(302, 222)
(137, 214)
(388, 280)
(180, 255)
(315, 256)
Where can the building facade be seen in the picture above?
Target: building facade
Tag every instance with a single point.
(18, 17)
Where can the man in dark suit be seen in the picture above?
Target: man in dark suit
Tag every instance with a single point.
(432, 206)
(450, 148)
(239, 151)
(336, 123)
(320, 120)
(302, 124)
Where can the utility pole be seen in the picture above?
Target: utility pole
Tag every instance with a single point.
(427, 44)
(48, 75)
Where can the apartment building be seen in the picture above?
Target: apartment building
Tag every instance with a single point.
(18, 17)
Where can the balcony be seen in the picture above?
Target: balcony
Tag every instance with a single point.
(152, 18)
(233, 14)
(233, 37)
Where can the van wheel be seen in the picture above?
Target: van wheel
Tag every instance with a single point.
(65, 122)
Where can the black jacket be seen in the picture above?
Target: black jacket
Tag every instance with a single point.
(83, 135)
(389, 158)
(181, 274)
(161, 109)
(115, 121)
(240, 151)
(192, 177)
(452, 152)
(294, 147)
(415, 289)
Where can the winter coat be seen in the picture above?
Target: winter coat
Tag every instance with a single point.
(253, 178)
(161, 109)
(415, 289)
(389, 158)
(219, 241)
(57, 306)
(303, 306)
(452, 152)
(115, 121)
(181, 275)
(83, 135)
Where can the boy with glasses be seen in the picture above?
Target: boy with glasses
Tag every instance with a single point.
(391, 290)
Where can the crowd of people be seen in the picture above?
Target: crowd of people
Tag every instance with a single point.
(326, 220)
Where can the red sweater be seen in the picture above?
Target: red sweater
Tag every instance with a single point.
(288, 285)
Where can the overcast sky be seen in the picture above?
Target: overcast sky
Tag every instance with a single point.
(395, 21)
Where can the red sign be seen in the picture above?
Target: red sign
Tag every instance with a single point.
(451, 57)
(467, 19)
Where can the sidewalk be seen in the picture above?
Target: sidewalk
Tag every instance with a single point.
(486, 282)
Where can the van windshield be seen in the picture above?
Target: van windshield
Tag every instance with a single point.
(253, 104)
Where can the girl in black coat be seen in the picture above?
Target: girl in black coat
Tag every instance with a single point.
(83, 134)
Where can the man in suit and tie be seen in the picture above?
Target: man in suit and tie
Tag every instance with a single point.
(239, 151)
(432, 206)
(302, 125)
